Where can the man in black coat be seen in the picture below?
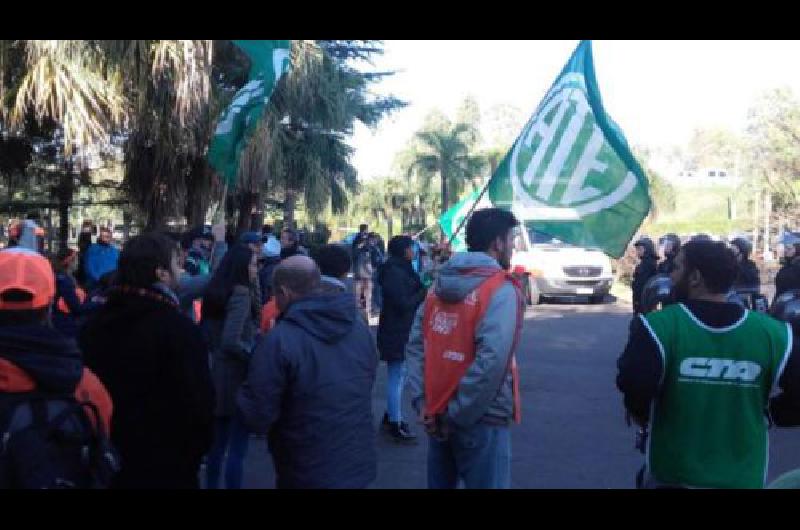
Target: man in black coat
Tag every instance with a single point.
(646, 269)
(748, 276)
(154, 362)
(788, 278)
(402, 293)
(309, 385)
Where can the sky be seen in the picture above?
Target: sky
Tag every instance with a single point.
(658, 92)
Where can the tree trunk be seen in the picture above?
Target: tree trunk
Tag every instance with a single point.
(444, 192)
(64, 192)
(198, 196)
(289, 204)
(247, 200)
(390, 225)
(257, 215)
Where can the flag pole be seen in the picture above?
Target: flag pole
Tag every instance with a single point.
(472, 209)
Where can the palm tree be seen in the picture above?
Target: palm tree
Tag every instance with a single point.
(65, 87)
(446, 151)
(300, 151)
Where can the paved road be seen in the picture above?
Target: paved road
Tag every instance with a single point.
(573, 433)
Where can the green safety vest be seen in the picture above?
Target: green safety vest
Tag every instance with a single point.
(708, 426)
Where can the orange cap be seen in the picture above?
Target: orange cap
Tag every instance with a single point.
(24, 270)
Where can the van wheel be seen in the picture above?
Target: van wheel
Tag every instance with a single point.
(532, 295)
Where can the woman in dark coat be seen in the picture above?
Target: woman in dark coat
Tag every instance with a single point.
(230, 317)
(402, 293)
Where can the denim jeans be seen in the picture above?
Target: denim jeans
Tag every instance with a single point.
(479, 455)
(395, 378)
(231, 436)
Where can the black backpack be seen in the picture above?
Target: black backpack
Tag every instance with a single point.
(48, 441)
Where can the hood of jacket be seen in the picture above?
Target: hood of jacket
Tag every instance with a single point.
(52, 360)
(462, 274)
(331, 285)
(328, 317)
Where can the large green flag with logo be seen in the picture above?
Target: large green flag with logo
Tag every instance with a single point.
(452, 219)
(269, 60)
(570, 173)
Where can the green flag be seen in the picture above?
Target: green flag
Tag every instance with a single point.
(452, 218)
(269, 60)
(570, 172)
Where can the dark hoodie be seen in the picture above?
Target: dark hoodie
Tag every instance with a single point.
(646, 269)
(309, 387)
(154, 362)
(45, 355)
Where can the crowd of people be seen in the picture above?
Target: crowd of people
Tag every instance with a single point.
(157, 366)
(187, 345)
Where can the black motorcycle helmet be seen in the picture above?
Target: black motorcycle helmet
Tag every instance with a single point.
(671, 238)
(787, 307)
(657, 290)
(646, 243)
(744, 246)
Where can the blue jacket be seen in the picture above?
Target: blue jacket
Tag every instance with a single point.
(309, 387)
(100, 259)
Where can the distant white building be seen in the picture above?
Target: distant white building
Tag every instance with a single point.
(704, 177)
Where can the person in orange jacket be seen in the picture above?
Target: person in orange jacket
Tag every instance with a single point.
(39, 365)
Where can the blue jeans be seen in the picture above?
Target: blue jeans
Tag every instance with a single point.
(395, 378)
(479, 455)
(230, 435)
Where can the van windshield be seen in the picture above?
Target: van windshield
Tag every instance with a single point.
(537, 237)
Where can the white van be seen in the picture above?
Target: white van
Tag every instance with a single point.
(550, 267)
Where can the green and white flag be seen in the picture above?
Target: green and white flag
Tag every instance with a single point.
(452, 218)
(269, 60)
(570, 172)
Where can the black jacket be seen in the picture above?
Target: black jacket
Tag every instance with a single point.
(788, 278)
(402, 293)
(748, 275)
(646, 269)
(309, 387)
(640, 366)
(666, 266)
(154, 362)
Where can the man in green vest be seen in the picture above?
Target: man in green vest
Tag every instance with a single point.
(699, 375)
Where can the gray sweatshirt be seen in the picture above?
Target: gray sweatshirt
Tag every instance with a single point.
(485, 392)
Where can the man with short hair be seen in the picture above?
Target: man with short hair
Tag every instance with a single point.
(334, 263)
(198, 245)
(460, 357)
(154, 362)
(698, 375)
(290, 244)
(101, 258)
(309, 385)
